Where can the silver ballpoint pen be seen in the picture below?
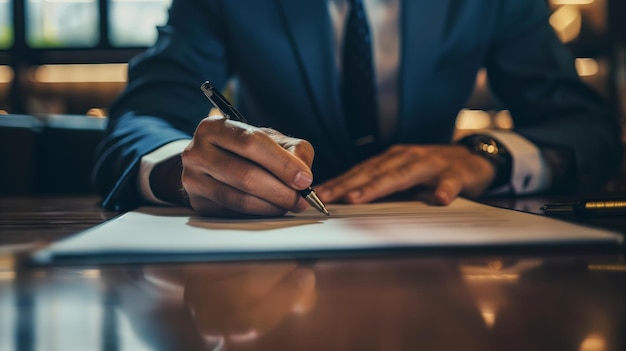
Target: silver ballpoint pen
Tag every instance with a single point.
(229, 111)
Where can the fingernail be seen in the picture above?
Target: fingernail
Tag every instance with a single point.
(303, 179)
(443, 198)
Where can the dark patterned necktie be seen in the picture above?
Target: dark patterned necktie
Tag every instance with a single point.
(358, 85)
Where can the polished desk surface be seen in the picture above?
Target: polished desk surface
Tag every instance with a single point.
(489, 300)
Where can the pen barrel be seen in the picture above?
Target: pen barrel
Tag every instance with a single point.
(601, 207)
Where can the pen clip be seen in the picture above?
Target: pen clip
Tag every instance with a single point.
(221, 103)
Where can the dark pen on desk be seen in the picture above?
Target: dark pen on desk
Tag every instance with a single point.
(588, 207)
(229, 111)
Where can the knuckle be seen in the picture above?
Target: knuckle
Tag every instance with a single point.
(437, 160)
(305, 151)
(247, 180)
(216, 163)
(290, 200)
(244, 203)
(185, 178)
(404, 171)
(209, 127)
(188, 156)
(301, 145)
(208, 124)
(271, 132)
(221, 196)
(377, 169)
(190, 184)
(249, 140)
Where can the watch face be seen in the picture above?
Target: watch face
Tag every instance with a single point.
(482, 145)
(489, 147)
(494, 152)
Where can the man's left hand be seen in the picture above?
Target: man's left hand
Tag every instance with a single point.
(449, 170)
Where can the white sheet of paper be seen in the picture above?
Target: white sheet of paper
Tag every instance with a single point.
(158, 230)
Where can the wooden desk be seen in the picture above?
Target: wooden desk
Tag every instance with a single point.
(490, 301)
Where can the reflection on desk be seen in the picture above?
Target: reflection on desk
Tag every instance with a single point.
(392, 304)
(482, 301)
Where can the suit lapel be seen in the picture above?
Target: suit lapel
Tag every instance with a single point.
(311, 35)
(421, 30)
(422, 26)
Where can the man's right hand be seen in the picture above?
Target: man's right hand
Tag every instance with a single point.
(233, 169)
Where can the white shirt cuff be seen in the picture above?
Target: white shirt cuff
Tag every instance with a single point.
(531, 172)
(152, 159)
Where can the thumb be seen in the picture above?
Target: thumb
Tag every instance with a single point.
(448, 188)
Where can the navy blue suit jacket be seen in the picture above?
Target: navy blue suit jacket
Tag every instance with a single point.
(281, 51)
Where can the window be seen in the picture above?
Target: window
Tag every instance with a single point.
(62, 23)
(6, 24)
(133, 22)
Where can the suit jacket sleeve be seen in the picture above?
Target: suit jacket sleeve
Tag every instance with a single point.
(148, 114)
(535, 77)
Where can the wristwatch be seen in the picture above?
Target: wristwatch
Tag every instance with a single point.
(492, 150)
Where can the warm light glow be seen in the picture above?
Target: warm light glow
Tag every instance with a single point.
(473, 119)
(492, 277)
(10, 275)
(91, 273)
(571, 2)
(83, 73)
(96, 112)
(593, 342)
(566, 21)
(489, 318)
(3, 112)
(7, 262)
(488, 148)
(6, 74)
(503, 120)
(607, 267)
(244, 337)
(586, 67)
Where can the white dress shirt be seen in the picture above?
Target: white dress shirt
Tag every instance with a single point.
(530, 172)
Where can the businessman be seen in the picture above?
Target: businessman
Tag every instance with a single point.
(361, 96)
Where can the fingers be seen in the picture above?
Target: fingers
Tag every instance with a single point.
(348, 185)
(302, 149)
(221, 306)
(231, 168)
(248, 302)
(215, 197)
(295, 293)
(398, 169)
(450, 170)
(257, 146)
(448, 188)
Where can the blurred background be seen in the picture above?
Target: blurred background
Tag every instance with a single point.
(62, 62)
